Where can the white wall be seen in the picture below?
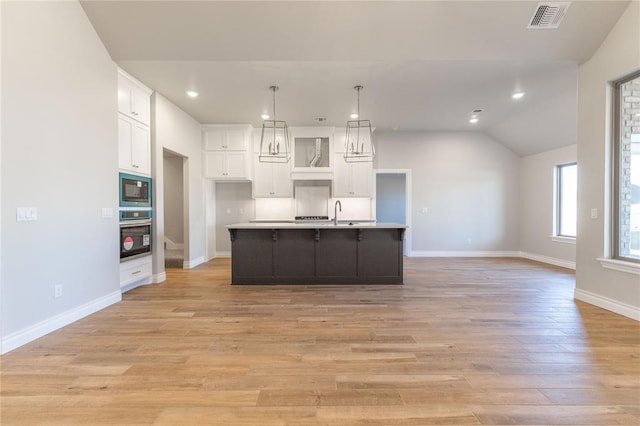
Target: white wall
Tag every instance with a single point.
(174, 130)
(466, 180)
(60, 155)
(173, 199)
(536, 207)
(618, 55)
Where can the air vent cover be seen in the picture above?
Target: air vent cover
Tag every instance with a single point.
(548, 15)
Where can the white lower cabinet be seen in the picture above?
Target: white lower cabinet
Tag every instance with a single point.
(226, 165)
(351, 179)
(135, 272)
(134, 146)
(271, 179)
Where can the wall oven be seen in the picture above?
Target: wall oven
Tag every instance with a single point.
(135, 239)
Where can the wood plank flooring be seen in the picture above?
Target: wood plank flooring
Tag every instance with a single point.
(464, 341)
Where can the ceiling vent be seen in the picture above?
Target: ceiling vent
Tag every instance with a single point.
(548, 15)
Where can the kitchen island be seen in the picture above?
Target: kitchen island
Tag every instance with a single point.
(316, 253)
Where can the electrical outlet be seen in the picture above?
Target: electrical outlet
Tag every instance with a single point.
(57, 292)
(425, 210)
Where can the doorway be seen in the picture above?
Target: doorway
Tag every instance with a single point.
(393, 202)
(173, 193)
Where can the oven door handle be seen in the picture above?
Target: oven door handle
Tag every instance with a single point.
(132, 223)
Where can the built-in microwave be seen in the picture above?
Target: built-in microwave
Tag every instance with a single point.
(135, 191)
(135, 239)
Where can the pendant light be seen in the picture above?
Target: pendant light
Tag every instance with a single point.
(274, 142)
(358, 141)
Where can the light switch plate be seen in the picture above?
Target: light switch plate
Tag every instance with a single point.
(594, 213)
(107, 212)
(26, 214)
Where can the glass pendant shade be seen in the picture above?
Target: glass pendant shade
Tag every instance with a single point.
(358, 140)
(275, 146)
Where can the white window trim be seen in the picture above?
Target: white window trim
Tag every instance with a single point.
(556, 236)
(563, 239)
(620, 265)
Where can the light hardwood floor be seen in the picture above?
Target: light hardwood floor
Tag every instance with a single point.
(464, 341)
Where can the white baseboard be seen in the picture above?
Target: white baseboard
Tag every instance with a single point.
(31, 333)
(222, 254)
(418, 253)
(158, 278)
(188, 264)
(550, 260)
(608, 304)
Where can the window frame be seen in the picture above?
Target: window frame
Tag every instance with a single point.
(616, 170)
(557, 219)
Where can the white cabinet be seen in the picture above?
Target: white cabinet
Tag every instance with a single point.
(134, 136)
(351, 179)
(134, 100)
(226, 138)
(226, 165)
(135, 272)
(271, 179)
(226, 151)
(134, 146)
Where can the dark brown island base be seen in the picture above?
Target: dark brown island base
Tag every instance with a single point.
(294, 253)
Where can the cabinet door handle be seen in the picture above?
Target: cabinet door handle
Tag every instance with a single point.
(136, 272)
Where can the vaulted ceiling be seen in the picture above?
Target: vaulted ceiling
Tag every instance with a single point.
(425, 65)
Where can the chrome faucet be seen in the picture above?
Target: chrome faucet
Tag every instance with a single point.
(335, 212)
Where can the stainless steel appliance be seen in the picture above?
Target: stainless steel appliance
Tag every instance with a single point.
(135, 192)
(135, 239)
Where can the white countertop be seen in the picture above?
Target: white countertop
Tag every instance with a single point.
(315, 225)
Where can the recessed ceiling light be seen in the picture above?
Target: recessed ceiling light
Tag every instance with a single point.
(354, 115)
(192, 94)
(517, 95)
(264, 116)
(473, 120)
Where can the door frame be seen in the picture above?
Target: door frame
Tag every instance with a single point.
(407, 196)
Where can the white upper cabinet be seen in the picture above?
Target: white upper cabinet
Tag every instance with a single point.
(134, 99)
(134, 146)
(225, 165)
(226, 151)
(271, 179)
(134, 135)
(226, 138)
(351, 179)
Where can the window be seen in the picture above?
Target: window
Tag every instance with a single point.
(566, 200)
(626, 168)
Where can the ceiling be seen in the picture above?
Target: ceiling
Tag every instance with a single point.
(425, 65)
